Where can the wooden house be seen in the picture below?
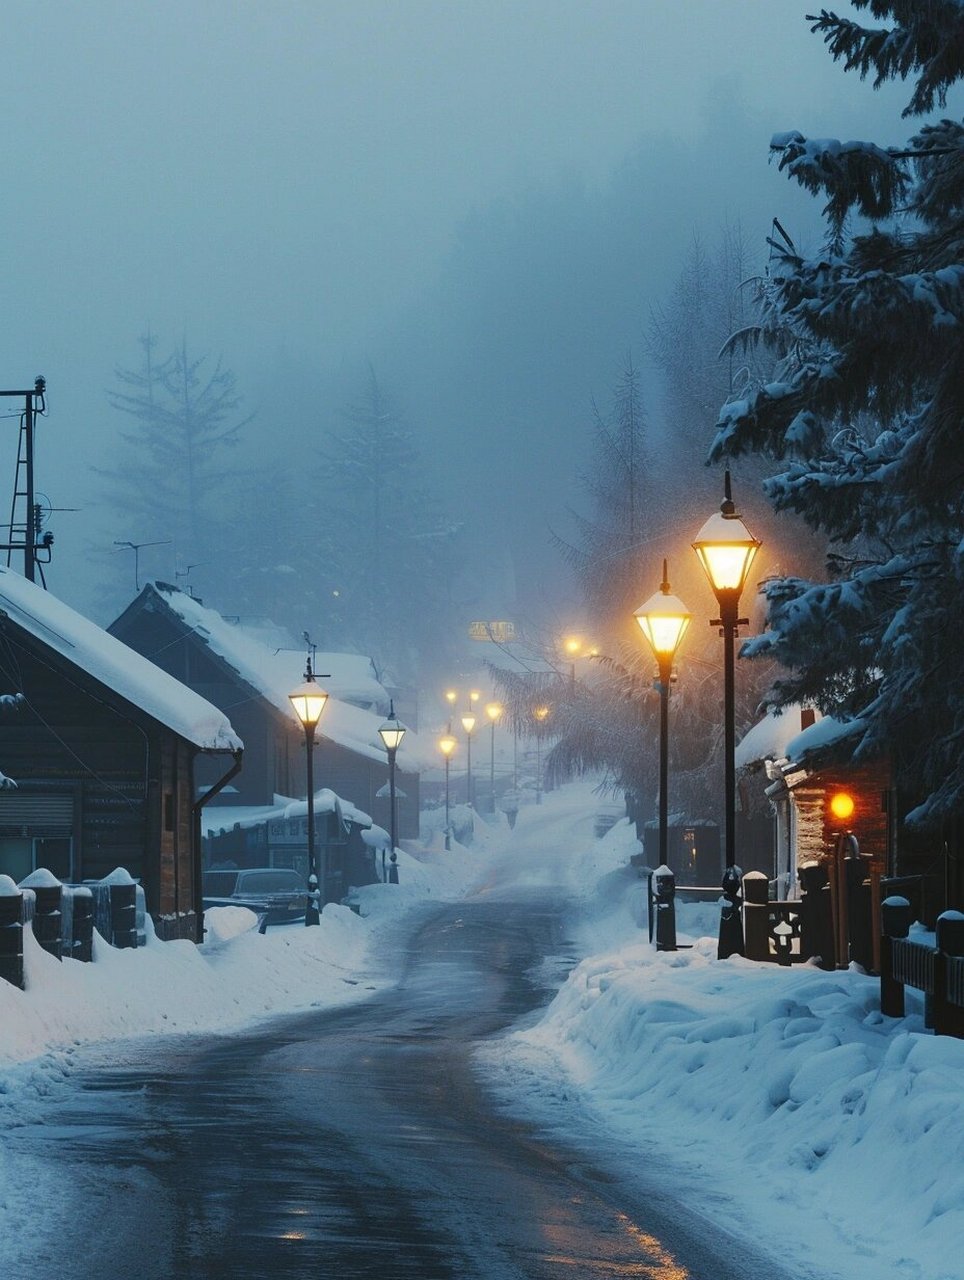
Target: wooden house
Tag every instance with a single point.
(105, 750)
(249, 679)
(791, 757)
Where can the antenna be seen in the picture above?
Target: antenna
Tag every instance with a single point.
(136, 548)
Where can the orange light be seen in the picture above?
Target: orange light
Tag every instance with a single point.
(842, 806)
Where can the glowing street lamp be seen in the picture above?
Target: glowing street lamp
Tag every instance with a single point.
(447, 745)
(663, 620)
(451, 696)
(726, 550)
(468, 724)
(391, 733)
(494, 711)
(308, 701)
(540, 715)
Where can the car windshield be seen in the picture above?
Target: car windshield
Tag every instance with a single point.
(220, 884)
(275, 881)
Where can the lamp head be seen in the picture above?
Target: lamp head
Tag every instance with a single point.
(308, 701)
(663, 620)
(726, 548)
(392, 731)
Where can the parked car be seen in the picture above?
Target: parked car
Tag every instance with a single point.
(276, 893)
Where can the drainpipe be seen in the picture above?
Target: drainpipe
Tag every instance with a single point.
(196, 824)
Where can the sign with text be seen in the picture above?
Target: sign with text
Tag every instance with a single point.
(499, 632)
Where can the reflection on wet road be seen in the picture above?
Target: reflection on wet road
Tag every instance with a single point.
(358, 1143)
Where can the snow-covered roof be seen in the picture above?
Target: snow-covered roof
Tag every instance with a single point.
(116, 666)
(219, 818)
(770, 737)
(827, 732)
(275, 674)
(267, 657)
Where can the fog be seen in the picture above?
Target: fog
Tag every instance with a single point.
(480, 200)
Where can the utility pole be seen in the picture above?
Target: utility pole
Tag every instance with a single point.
(32, 542)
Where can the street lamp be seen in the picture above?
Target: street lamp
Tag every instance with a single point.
(494, 711)
(726, 550)
(309, 701)
(576, 647)
(450, 696)
(468, 724)
(391, 733)
(540, 715)
(447, 744)
(663, 620)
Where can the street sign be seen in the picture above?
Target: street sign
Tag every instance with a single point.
(498, 632)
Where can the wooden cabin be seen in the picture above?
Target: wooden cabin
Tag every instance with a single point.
(104, 750)
(234, 667)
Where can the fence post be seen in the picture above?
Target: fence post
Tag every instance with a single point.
(123, 915)
(859, 919)
(756, 915)
(83, 934)
(48, 917)
(895, 916)
(11, 932)
(816, 915)
(948, 1018)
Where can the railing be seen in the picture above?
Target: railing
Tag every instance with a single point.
(936, 969)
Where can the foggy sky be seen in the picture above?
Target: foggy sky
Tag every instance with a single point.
(299, 187)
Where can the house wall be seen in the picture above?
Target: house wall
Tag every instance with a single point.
(274, 745)
(816, 829)
(70, 741)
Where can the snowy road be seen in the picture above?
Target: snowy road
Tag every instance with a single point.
(357, 1143)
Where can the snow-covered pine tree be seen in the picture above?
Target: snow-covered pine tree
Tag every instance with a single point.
(604, 551)
(871, 330)
(170, 478)
(384, 582)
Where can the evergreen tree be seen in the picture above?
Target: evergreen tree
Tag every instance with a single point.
(384, 579)
(171, 480)
(870, 331)
(605, 550)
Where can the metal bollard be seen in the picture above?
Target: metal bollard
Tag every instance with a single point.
(662, 888)
(11, 932)
(393, 868)
(48, 916)
(731, 920)
(756, 915)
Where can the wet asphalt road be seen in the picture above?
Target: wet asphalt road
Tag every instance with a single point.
(358, 1143)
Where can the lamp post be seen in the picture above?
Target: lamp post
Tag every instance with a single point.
(576, 647)
(540, 715)
(468, 724)
(494, 711)
(391, 733)
(309, 701)
(447, 745)
(726, 549)
(663, 620)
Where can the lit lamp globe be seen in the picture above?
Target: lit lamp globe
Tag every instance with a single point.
(308, 701)
(842, 806)
(468, 722)
(726, 549)
(663, 620)
(447, 744)
(493, 710)
(392, 731)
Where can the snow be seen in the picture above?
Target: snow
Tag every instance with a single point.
(114, 665)
(274, 673)
(770, 737)
(778, 1097)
